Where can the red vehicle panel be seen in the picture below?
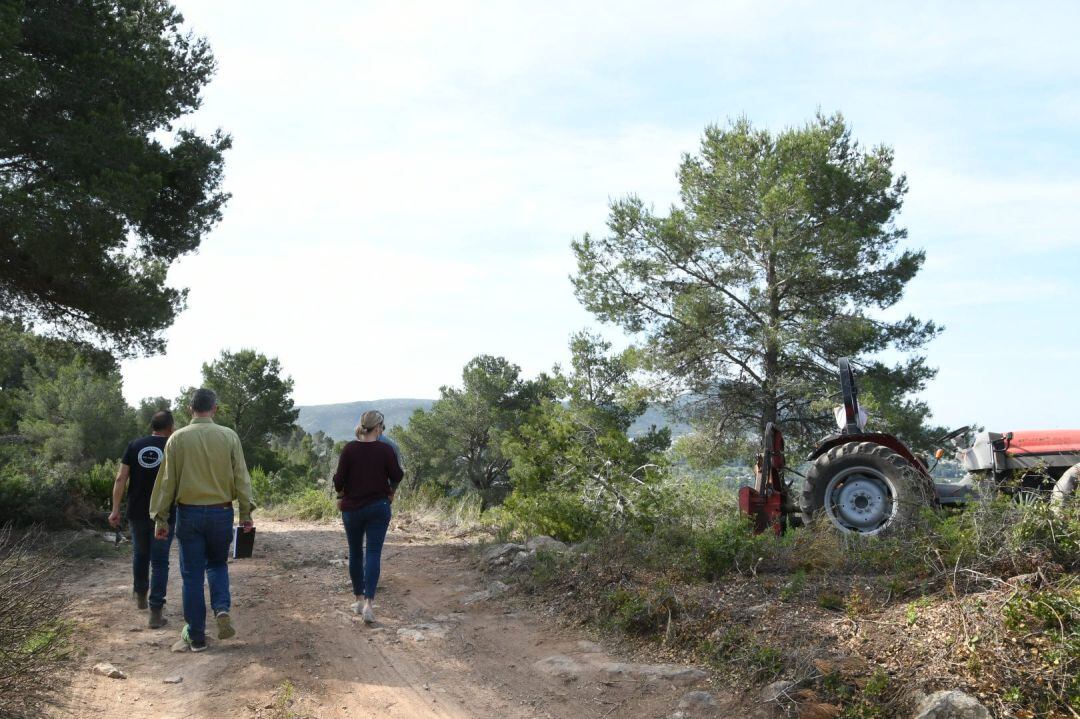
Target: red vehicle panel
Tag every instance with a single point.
(1044, 441)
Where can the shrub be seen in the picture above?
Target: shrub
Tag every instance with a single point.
(33, 638)
(558, 514)
(312, 505)
(31, 493)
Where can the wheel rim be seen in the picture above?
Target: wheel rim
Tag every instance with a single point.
(860, 500)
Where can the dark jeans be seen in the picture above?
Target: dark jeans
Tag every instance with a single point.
(204, 534)
(150, 559)
(371, 521)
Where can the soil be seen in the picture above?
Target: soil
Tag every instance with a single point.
(439, 648)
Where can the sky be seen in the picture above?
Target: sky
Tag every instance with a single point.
(407, 177)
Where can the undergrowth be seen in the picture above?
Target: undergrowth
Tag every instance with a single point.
(683, 570)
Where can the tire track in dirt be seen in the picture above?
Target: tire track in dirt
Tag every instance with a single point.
(432, 653)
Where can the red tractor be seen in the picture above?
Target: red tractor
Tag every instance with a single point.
(868, 482)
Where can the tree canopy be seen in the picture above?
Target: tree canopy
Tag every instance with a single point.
(94, 204)
(254, 398)
(780, 258)
(458, 442)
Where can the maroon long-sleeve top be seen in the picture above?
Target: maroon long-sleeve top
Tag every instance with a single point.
(366, 473)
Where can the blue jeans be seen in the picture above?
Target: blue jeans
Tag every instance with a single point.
(150, 559)
(371, 521)
(204, 534)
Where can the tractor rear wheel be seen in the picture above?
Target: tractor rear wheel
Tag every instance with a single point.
(864, 488)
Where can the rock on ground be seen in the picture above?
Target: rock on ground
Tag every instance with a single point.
(565, 667)
(951, 704)
(546, 543)
(776, 691)
(500, 551)
(697, 700)
(105, 669)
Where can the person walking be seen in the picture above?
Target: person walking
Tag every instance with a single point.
(367, 476)
(150, 559)
(202, 473)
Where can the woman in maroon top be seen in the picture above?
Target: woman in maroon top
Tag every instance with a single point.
(367, 476)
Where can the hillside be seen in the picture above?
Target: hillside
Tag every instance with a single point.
(339, 420)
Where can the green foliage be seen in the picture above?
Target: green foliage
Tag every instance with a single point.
(148, 407)
(253, 398)
(95, 484)
(776, 262)
(639, 610)
(312, 504)
(458, 442)
(73, 413)
(561, 515)
(94, 206)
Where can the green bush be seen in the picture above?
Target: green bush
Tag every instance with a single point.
(558, 514)
(31, 493)
(95, 485)
(312, 505)
(639, 610)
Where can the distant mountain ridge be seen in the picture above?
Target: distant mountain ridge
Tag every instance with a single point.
(339, 420)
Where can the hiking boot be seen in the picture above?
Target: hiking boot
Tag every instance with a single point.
(157, 618)
(225, 629)
(186, 643)
(140, 599)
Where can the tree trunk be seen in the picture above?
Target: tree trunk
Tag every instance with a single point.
(772, 341)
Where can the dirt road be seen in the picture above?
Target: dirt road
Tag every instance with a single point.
(439, 649)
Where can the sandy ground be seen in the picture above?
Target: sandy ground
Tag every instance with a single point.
(436, 650)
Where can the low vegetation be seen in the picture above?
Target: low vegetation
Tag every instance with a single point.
(33, 633)
(986, 600)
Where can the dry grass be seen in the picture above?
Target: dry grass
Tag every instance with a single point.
(33, 635)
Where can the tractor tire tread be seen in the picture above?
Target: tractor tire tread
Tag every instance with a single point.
(809, 502)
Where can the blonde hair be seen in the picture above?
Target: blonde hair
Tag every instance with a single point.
(369, 421)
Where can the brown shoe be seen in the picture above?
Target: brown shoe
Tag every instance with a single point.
(140, 599)
(157, 618)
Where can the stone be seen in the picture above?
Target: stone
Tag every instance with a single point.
(588, 647)
(697, 700)
(338, 562)
(776, 691)
(104, 669)
(951, 704)
(548, 544)
(499, 551)
(424, 631)
(496, 588)
(172, 680)
(560, 666)
(679, 676)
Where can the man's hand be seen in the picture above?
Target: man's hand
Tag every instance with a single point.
(161, 533)
(248, 526)
(114, 519)
(390, 496)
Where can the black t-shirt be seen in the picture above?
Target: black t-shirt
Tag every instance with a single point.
(144, 457)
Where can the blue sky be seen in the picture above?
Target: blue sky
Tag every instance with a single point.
(407, 177)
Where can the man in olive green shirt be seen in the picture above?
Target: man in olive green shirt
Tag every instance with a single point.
(202, 473)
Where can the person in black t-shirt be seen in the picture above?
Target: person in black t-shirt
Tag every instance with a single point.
(150, 560)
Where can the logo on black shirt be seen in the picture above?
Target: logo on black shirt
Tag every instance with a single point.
(149, 457)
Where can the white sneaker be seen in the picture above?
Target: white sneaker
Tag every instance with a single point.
(355, 607)
(369, 616)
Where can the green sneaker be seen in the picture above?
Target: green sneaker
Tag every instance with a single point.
(186, 643)
(225, 629)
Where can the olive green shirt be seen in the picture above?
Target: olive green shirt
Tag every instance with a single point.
(204, 464)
